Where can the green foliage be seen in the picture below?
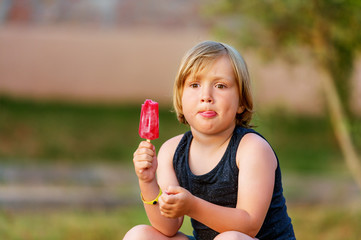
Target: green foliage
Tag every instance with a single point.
(37, 132)
(326, 222)
(310, 222)
(328, 29)
(303, 144)
(291, 22)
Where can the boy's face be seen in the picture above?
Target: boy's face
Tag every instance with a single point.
(210, 98)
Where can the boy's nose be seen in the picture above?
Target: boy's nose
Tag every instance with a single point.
(206, 96)
(207, 100)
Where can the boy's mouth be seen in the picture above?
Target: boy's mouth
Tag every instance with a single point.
(208, 114)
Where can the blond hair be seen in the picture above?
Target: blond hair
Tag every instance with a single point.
(200, 56)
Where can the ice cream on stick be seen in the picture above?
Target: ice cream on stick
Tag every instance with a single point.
(149, 120)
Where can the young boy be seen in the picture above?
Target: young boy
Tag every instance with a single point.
(221, 173)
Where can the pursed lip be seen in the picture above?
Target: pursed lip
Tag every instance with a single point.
(208, 114)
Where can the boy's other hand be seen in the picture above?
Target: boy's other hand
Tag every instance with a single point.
(175, 202)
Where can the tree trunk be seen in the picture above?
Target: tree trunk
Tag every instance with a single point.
(340, 127)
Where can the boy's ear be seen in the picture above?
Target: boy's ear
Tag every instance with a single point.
(240, 109)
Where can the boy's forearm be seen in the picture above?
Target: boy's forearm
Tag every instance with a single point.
(222, 219)
(167, 226)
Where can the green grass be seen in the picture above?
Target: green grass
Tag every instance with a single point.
(73, 224)
(316, 222)
(326, 223)
(47, 132)
(305, 144)
(69, 224)
(41, 132)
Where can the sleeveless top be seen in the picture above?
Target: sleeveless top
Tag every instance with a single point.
(220, 186)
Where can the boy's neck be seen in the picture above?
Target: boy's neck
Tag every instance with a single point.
(212, 141)
(207, 150)
(204, 138)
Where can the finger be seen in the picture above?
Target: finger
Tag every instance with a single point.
(172, 190)
(144, 151)
(167, 214)
(143, 158)
(143, 155)
(165, 207)
(144, 165)
(163, 202)
(165, 211)
(145, 144)
(169, 200)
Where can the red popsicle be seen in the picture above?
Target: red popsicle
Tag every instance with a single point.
(149, 120)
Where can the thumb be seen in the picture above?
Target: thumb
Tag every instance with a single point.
(172, 190)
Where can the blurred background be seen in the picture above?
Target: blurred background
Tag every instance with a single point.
(74, 73)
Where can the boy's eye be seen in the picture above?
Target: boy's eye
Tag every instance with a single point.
(194, 85)
(221, 86)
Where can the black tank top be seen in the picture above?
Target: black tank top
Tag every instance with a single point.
(220, 186)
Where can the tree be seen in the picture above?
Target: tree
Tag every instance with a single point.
(330, 31)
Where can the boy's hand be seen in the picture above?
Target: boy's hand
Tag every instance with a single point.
(145, 162)
(175, 202)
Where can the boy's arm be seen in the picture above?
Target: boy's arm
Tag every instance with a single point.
(165, 177)
(257, 164)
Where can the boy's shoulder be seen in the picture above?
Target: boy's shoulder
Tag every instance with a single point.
(171, 144)
(174, 140)
(256, 147)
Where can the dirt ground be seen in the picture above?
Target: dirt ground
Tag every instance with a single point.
(105, 186)
(131, 64)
